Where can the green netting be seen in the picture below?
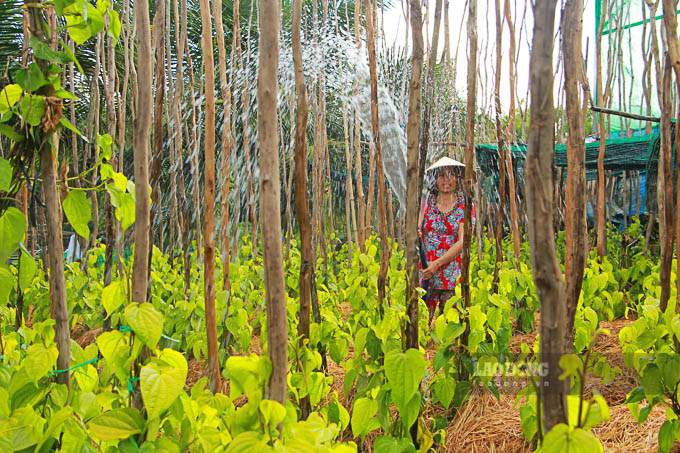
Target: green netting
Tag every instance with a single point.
(487, 157)
(619, 153)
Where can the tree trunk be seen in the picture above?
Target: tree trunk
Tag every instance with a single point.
(209, 194)
(514, 221)
(576, 228)
(270, 200)
(301, 197)
(382, 215)
(500, 216)
(546, 268)
(53, 213)
(469, 154)
(143, 112)
(666, 188)
(159, 35)
(225, 174)
(412, 174)
(670, 18)
(601, 233)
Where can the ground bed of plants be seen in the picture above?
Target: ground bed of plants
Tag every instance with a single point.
(123, 400)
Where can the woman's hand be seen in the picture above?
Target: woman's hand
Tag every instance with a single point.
(431, 269)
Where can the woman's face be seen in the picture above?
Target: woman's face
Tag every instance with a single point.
(446, 181)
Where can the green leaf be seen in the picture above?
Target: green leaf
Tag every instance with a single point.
(671, 372)
(9, 96)
(6, 283)
(146, 322)
(562, 439)
(67, 124)
(54, 430)
(571, 364)
(527, 415)
(31, 79)
(33, 109)
(23, 429)
(272, 412)
(113, 296)
(385, 444)
(363, 416)
(248, 442)
(404, 372)
(114, 25)
(44, 52)
(38, 361)
(10, 133)
(666, 437)
(5, 174)
(444, 389)
(651, 381)
(161, 385)
(105, 144)
(124, 204)
(71, 56)
(12, 228)
(246, 374)
(117, 424)
(113, 346)
(78, 211)
(27, 270)
(174, 359)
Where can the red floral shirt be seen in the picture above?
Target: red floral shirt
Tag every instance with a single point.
(440, 232)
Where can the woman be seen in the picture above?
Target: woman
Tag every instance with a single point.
(441, 228)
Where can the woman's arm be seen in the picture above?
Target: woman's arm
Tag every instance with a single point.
(452, 253)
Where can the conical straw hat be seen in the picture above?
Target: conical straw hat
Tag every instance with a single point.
(445, 162)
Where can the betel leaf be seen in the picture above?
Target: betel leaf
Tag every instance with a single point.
(9, 96)
(247, 442)
(386, 444)
(6, 283)
(125, 206)
(117, 424)
(33, 109)
(444, 389)
(115, 350)
(562, 439)
(160, 385)
(78, 211)
(67, 124)
(176, 360)
(31, 79)
(113, 296)
(651, 381)
(272, 412)
(146, 322)
(404, 372)
(12, 228)
(10, 133)
(114, 25)
(666, 437)
(39, 360)
(363, 416)
(44, 52)
(246, 374)
(27, 270)
(105, 144)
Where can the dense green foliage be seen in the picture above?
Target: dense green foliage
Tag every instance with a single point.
(368, 345)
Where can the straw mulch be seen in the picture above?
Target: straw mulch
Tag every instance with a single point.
(485, 424)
